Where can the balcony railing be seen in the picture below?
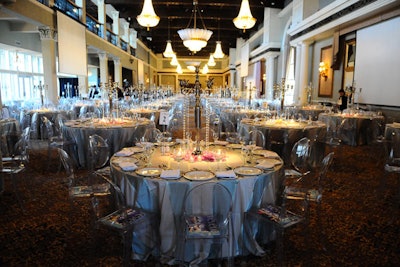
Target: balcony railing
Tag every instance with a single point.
(69, 8)
(112, 37)
(94, 26)
(123, 44)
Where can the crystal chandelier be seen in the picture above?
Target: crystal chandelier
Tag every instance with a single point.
(211, 61)
(218, 51)
(148, 17)
(194, 38)
(168, 50)
(168, 53)
(179, 69)
(244, 20)
(174, 61)
(205, 69)
(218, 48)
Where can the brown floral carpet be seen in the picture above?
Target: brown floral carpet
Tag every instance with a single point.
(360, 218)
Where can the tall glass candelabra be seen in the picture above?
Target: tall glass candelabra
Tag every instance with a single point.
(197, 109)
(111, 88)
(42, 88)
(279, 90)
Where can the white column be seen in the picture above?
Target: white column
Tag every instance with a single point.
(48, 38)
(101, 16)
(271, 74)
(115, 24)
(301, 75)
(118, 71)
(103, 61)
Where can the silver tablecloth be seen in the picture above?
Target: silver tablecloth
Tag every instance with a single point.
(166, 198)
(280, 135)
(117, 136)
(357, 129)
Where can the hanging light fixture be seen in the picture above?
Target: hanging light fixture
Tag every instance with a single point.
(211, 61)
(148, 17)
(244, 20)
(218, 48)
(205, 69)
(174, 61)
(179, 69)
(168, 53)
(194, 38)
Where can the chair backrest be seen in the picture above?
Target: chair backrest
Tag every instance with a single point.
(258, 137)
(99, 151)
(325, 164)
(67, 163)
(114, 201)
(393, 151)
(209, 198)
(49, 126)
(300, 155)
(151, 134)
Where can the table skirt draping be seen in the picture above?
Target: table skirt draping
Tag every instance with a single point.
(117, 138)
(38, 128)
(355, 130)
(281, 137)
(166, 197)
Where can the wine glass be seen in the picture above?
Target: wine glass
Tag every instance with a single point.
(245, 151)
(215, 136)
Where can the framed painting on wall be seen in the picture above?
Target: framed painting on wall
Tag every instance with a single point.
(349, 63)
(325, 72)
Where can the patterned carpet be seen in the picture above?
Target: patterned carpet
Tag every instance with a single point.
(359, 216)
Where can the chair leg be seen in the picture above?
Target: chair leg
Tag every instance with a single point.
(127, 247)
(15, 188)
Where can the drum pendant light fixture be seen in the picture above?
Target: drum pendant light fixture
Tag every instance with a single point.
(194, 38)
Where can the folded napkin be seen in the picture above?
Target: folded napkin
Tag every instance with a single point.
(124, 153)
(170, 174)
(127, 166)
(225, 174)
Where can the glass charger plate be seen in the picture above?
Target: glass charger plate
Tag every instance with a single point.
(247, 170)
(149, 172)
(199, 175)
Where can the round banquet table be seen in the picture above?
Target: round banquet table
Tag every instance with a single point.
(312, 111)
(118, 133)
(38, 129)
(281, 135)
(165, 196)
(357, 127)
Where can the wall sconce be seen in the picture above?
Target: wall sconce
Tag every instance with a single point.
(323, 70)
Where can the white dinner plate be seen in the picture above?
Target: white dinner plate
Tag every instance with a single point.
(199, 175)
(247, 170)
(149, 172)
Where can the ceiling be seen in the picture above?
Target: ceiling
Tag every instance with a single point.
(217, 16)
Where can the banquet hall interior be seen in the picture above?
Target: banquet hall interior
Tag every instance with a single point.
(199, 133)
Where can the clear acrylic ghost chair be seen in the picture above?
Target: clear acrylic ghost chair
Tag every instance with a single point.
(55, 140)
(99, 153)
(278, 216)
(392, 159)
(17, 163)
(257, 138)
(115, 214)
(206, 217)
(299, 160)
